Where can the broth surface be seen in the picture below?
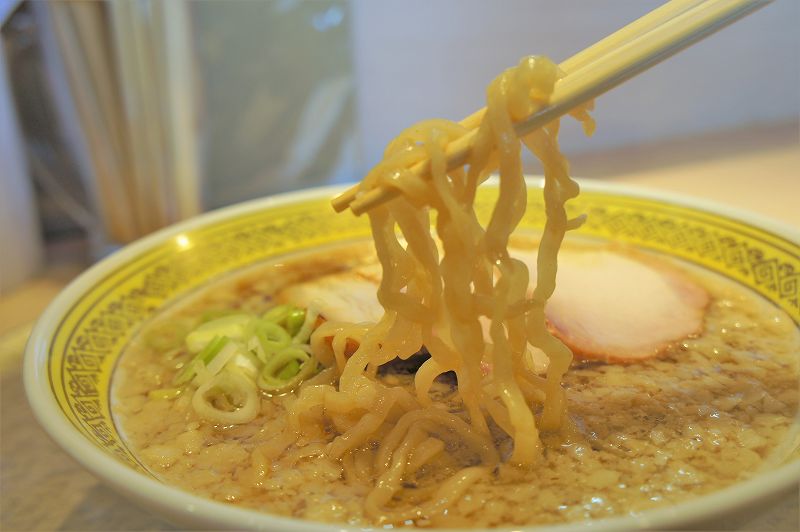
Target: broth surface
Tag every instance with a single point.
(711, 411)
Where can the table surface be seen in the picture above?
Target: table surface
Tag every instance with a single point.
(44, 489)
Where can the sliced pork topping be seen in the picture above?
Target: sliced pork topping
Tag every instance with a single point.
(621, 307)
(347, 296)
(609, 305)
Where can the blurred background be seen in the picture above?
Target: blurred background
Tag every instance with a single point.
(118, 118)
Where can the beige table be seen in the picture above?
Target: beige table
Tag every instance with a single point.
(44, 489)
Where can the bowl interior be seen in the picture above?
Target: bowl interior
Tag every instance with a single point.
(75, 347)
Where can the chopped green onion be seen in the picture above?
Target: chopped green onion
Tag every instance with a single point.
(289, 317)
(281, 359)
(252, 359)
(232, 326)
(302, 336)
(295, 320)
(286, 370)
(231, 350)
(234, 388)
(289, 370)
(165, 393)
(212, 349)
(237, 353)
(278, 314)
(272, 337)
(205, 356)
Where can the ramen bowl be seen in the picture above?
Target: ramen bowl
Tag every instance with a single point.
(73, 350)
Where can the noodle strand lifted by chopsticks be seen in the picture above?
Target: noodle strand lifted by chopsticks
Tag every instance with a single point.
(436, 296)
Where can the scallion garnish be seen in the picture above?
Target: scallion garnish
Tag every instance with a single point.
(234, 326)
(295, 320)
(289, 370)
(205, 356)
(278, 314)
(272, 337)
(303, 334)
(238, 353)
(285, 370)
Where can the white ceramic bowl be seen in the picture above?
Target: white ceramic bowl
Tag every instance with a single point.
(72, 351)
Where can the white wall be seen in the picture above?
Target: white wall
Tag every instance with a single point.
(417, 59)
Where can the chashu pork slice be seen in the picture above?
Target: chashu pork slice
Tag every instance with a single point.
(349, 296)
(608, 305)
(620, 306)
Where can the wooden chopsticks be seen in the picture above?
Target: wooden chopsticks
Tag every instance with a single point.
(629, 51)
